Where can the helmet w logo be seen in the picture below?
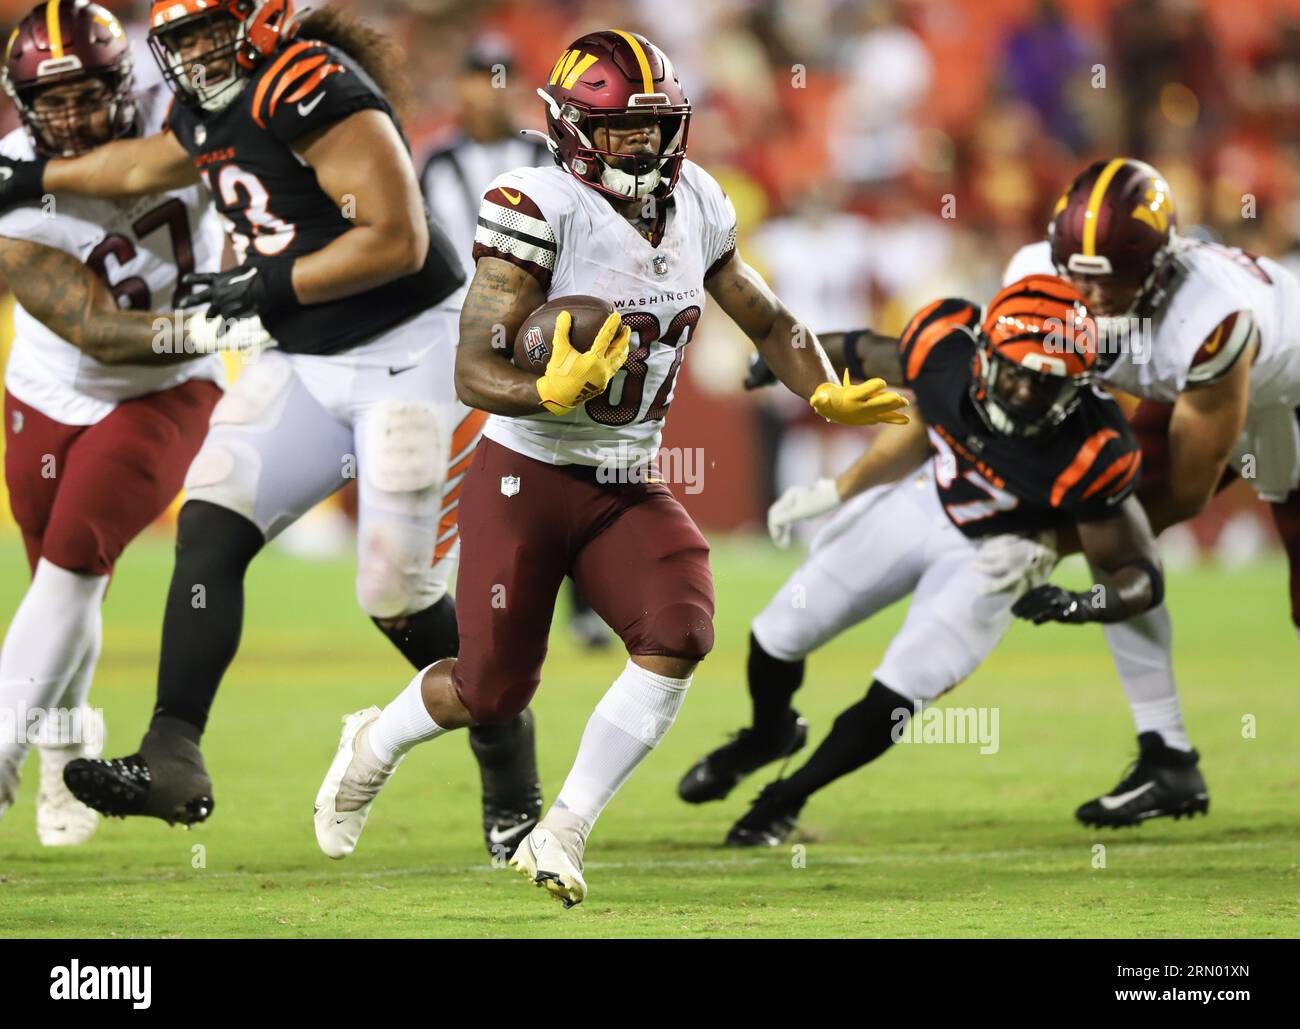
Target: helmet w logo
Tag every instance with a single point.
(569, 68)
(1156, 208)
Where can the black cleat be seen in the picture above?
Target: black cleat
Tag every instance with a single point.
(769, 821)
(1162, 782)
(166, 779)
(716, 774)
(512, 789)
(504, 828)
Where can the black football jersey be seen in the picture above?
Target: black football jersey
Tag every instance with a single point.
(273, 205)
(993, 483)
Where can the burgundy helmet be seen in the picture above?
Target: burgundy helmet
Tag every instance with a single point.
(64, 41)
(1117, 222)
(600, 81)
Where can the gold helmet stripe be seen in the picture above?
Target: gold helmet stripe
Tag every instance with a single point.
(647, 79)
(1094, 204)
(54, 28)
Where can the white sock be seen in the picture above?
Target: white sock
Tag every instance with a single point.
(628, 723)
(49, 636)
(76, 723)
(1142, 649)
(402, 724)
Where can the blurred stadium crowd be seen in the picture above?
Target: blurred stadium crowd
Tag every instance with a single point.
(881, 153)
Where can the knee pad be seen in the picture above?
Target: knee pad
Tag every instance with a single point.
(682, 630)
(405, 458)
(396, 574)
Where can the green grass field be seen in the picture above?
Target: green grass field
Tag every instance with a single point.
(929, 841)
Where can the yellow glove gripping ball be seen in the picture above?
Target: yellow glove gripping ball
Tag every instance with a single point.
(867, 403)
(572, 377)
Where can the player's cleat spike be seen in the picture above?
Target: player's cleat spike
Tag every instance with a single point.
(166, 779)
(354, 779)
(61, 819)
(719, 772)
(769, 821)
(1162, 782)
(551, 856)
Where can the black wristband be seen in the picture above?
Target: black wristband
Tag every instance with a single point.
(277, 280)
(852, 361)
(29, 180)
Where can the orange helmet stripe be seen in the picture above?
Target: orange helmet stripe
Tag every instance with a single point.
(647, 80)
(1094, 204)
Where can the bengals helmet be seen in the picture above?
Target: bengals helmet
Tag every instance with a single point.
(1038, 348)
(193, 40)
(1115, 230)
(62, 42)
(611, 80)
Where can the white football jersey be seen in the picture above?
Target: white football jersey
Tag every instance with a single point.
(140, 246)
(1195, 339)
(570, 237)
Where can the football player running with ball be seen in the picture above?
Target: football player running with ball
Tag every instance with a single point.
(559, 485)
(289, 126)
(1020, 443)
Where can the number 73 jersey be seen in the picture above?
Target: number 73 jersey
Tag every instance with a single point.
(992, 483)
(141, 248)
(573, 241)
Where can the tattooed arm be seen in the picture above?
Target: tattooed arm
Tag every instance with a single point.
(788, 346)
(71, 301)
(501, 296)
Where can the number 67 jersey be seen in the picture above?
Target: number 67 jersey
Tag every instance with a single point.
(573, 241)
(140, 247)
(989, 482)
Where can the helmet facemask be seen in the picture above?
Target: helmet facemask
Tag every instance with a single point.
(209, 78)
(1016, 399)
(622, 175)
(49, 122)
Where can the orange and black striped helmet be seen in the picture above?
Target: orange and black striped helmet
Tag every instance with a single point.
(1116, 221)
(1038, 348)
(240, 35)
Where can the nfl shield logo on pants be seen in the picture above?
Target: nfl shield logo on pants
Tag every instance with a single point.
(509, 485)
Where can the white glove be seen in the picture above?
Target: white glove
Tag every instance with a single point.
(798, 503)
(206, 335)
(1015, 563)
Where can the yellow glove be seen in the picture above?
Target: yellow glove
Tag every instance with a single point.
(867, 403)
(573, 378)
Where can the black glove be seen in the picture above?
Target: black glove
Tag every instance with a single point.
(760, 374)
(241, 292)
(1050, 603)
(20, 181)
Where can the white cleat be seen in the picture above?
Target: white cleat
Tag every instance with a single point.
(551, 856)
(353, 781)
(61, 819)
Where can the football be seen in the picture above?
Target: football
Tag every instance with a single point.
(533, 340)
